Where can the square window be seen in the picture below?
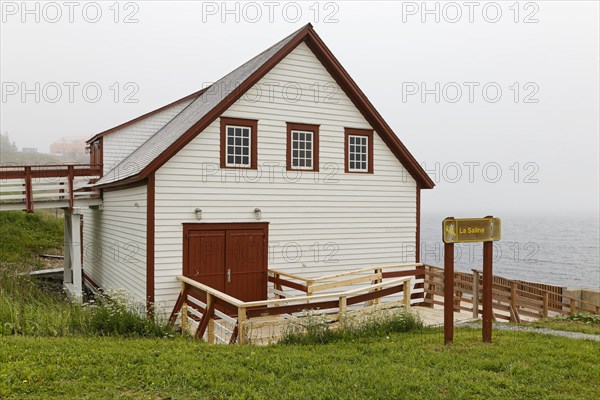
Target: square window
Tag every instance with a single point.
(238, 146)
(358, 153)
(301, 154)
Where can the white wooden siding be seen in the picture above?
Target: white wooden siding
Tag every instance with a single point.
(355, 220)
(114, 241)
(119, 144)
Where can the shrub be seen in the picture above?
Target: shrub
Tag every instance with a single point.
(25, 309)
(316, 329)
(584, 317)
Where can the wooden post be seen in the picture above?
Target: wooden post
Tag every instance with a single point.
(210, 330)
(488, 249)
(28, 190)
(183, 314)
(545, 309)
(428, 287)
(475, 294)
(514, 315)
(457, 297)
(573, 306)
(406, 294)
(276, 286)
(342, 306)
(241, 320)
(71, 174)
(377, 271)
(448, 293)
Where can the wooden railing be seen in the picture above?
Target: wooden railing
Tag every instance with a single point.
(512, 299)
(25, 185)
(212, 309)
(373, 275)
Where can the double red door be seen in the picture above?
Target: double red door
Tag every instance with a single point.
(231, 258)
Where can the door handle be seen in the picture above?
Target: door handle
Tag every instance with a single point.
(228, 275)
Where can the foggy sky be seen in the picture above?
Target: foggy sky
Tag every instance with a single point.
(545, 145)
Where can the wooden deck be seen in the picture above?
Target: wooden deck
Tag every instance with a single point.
(29, 187)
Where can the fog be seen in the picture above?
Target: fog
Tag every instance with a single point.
(500, 103)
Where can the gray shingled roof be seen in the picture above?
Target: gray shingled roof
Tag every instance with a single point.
(182, 122)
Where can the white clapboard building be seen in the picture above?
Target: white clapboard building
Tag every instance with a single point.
(283, 163)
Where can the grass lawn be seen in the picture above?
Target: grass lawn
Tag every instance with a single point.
(562, 324)
(411, 365)
(23, 236)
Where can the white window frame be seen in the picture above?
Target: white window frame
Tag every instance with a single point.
(312, 150)
(227, 163)
(366, 153)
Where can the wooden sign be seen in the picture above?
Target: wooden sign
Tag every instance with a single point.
(465, 230)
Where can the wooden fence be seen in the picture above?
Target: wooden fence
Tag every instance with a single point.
(214, 311)
(512, 299)
(24, 187)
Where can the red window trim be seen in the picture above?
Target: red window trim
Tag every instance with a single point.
(250, 123)
(359, 132)
(292, 126)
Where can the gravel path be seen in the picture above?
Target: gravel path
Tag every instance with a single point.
(544, 331)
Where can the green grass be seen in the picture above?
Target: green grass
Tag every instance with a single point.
(23, 236)
(26, 309)
(578, 322)
(315, 329)
(409, 365)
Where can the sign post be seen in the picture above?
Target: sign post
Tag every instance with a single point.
(468, 230)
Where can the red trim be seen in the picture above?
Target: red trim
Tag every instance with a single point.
(47, 171)
(149, 114)
(90, 281)
(70, 179)
(250, 123)
(358, 98)
(28, 190)
(359, 132)
(150, 208)
(418, 232)
(291, 126)
(97, 154)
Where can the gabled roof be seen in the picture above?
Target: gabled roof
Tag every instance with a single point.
(144, 116)
(209, 105)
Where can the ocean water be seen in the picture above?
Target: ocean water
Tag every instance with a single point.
(556, 250)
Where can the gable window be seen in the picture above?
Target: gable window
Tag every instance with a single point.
(238, 143)
(302, 147)
(359, 150)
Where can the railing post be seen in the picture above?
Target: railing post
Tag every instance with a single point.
(573, 306)
(514, 314)
(406, 291)
(277, 286)
(71, 175)
(183, 314)
(28, 190)
(241, 320)
(428, 287)
(210, 330)
(545, 306)
(342, 306)
(475, 294)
